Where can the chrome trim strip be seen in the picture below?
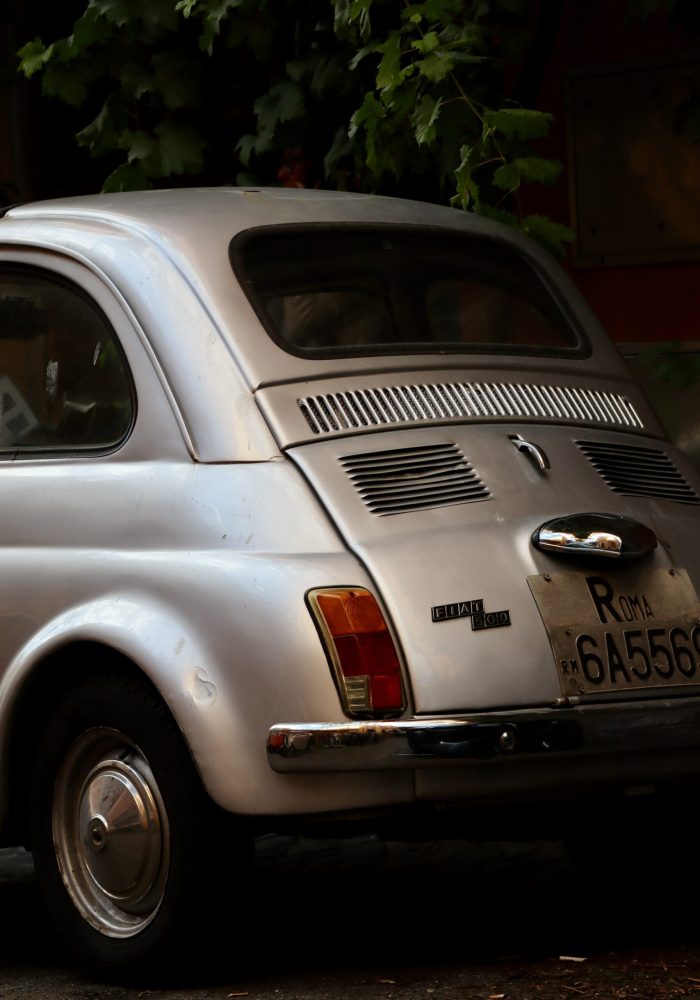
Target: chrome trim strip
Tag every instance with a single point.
(395, 404)
(647, 726)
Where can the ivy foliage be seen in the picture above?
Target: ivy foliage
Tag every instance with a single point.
(418, 99)
(671, 363)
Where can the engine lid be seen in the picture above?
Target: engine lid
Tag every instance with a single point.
(443, 519)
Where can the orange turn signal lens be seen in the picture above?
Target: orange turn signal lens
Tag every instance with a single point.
(360, 648)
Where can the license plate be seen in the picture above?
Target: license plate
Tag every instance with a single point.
(622, 630)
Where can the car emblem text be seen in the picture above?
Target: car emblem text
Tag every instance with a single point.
(473, 609)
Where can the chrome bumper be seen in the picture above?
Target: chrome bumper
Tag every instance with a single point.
(419, 743)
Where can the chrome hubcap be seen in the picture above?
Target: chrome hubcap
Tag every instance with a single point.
(110, 833)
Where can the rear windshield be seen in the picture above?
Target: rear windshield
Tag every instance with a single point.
(348, 292)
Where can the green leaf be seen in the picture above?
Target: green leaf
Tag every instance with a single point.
(519, 123)
(297, 69)
(360, 55)
(527, 169)
(497, 214)
(352, 14)
(180, 147)
(70, 83)
(467, 188)
(401, 104)
(245, 179)
(366, 115)
(156, 14)
(114, 11)
(413, 12)
(672, 364)
(33, 56)
(359, 13)
(340, 148)
(467, 59)
(127, 177)
(174, 79)
(389, 72)
(282, 103)
(255, 36)
(136, 80)
(424, 118)
(87, 31)
(213, 13)
(329, 77)
(140, 145)
(246, 146)
(428, 43)
(433, 11)
(436, 66)
(462, 36)
(102, 134)
(551, 235)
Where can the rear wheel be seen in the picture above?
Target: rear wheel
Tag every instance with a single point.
(131, 855)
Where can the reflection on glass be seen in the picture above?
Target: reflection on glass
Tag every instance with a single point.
(383, 290)
(63, 381)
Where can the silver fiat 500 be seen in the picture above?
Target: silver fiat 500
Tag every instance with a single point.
(315, 506)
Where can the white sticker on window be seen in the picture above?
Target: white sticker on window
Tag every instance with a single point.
(51, 378)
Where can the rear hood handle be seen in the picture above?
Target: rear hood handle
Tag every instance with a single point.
(537, 454)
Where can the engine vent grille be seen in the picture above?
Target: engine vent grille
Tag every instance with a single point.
(335, 412)
(638, 472)
(409, 479)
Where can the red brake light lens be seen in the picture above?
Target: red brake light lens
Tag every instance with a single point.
(360, 648)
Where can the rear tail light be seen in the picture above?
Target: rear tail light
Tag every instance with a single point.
(361, 650)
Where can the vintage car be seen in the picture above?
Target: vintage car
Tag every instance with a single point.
(317, 509)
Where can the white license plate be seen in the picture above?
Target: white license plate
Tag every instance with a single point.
(621, 630)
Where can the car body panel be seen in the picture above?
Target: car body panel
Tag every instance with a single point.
(196, 617)
(191, 547)
(477, 551)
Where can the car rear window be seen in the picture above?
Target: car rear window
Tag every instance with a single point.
(346, 291)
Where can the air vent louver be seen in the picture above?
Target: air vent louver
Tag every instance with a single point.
(409, 479)
(638, 472)
(334, 412)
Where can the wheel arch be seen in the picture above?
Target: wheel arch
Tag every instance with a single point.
(50, 679)
(154, 639)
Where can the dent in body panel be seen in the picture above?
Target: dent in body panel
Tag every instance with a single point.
(201, 690)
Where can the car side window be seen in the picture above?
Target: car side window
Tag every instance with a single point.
(64, 382)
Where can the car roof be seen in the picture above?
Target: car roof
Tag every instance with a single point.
(193, 228)
(230, 210)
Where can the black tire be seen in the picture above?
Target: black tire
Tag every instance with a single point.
(132, 857)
